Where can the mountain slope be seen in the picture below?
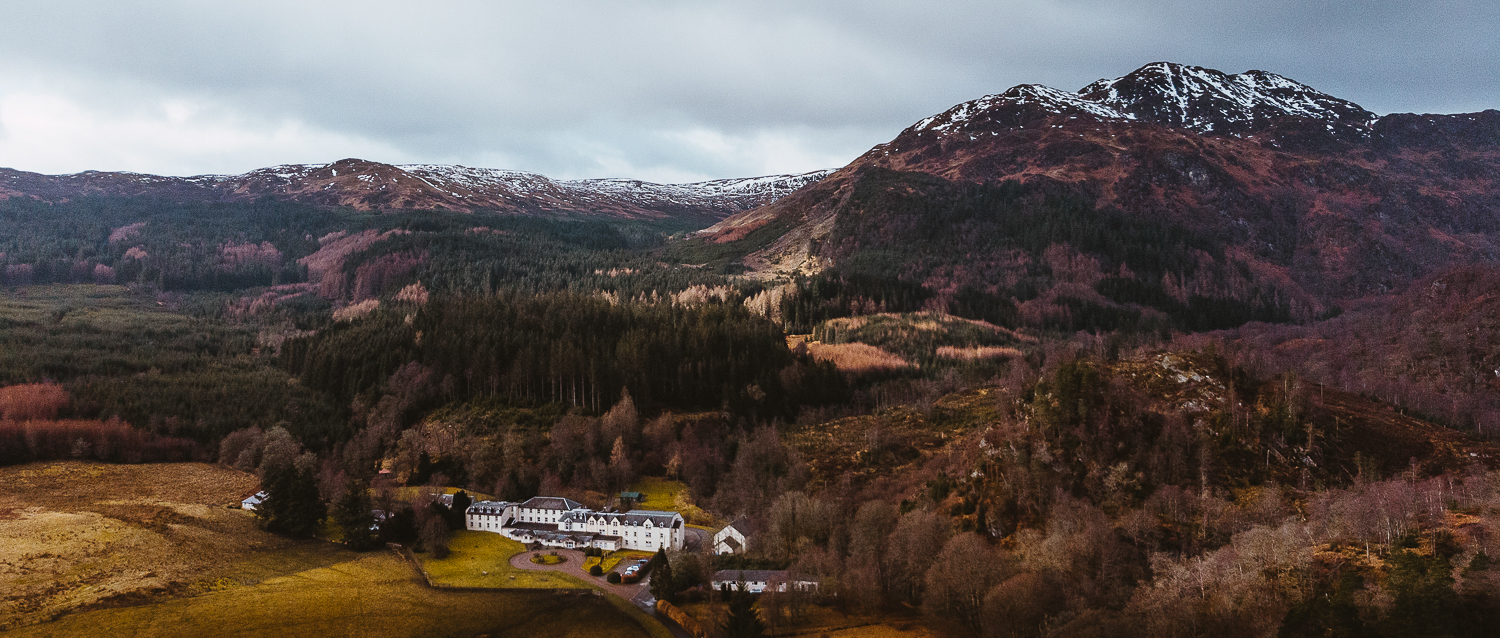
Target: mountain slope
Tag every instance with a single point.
(1280, 193)
(365, 185)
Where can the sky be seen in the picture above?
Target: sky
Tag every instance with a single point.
(663, 91)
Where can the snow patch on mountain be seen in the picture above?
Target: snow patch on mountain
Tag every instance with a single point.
(1203, 100)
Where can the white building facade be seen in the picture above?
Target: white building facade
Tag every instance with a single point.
(757, 581)
(734, 538)
(559, 522)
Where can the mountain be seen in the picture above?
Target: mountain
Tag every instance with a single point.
(366, 185)
(1171, 187)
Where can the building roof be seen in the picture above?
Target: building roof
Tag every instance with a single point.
(749, 575)
(489, 507)
(552, 503)
(733, 543)
(639, 517)
(743, 525)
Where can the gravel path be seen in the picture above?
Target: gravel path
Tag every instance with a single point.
(637, 593)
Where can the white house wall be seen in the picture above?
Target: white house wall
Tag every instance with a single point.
(644, 535)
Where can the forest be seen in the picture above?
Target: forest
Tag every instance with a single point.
(1061, 445)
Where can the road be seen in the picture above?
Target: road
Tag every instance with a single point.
(694, 539)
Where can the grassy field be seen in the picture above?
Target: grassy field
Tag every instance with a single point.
(376, 595)
(76, 535)
(672, 496)
(482, 559)
(163, 550)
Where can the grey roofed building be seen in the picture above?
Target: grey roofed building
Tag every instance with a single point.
(756, 581)
(558, 521)
(551, 503)
(493, 508)
(638, 517)
(735, 538)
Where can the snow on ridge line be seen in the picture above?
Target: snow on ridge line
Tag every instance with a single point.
(1195, 97)
(525, 183)
(477, 184)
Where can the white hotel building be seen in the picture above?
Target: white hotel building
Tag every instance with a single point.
(559, 522)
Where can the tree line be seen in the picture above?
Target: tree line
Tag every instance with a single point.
(571, 349)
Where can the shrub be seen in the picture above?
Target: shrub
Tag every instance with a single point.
(595, 570)
(613, 578)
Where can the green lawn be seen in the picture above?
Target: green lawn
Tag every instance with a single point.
(475, 553)
(482, 559)
(672, 496)
(375, 595)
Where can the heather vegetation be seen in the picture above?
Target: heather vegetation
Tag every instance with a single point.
(1038, 255)
(1029, 446)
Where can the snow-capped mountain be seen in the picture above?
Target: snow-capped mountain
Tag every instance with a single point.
(366, 185)
(1290, 191)
(1198, 99)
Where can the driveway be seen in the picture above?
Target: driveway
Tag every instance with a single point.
(637, 593)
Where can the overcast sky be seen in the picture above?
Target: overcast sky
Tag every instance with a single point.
(664, 91)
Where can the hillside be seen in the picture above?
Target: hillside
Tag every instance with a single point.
(365, 185)
(1245, 190)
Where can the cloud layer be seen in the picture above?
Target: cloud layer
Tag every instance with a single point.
(666, 91)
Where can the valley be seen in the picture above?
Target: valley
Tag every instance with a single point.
(1180, 353)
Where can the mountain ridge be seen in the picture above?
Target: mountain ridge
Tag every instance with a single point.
(1313, 196)
(366, 185)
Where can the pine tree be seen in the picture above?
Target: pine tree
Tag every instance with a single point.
(662, 580)
(458, 513)
(293, 506)
(354, 518)
(743, 621)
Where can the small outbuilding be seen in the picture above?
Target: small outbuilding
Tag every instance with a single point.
(253, 501)
(735, 537)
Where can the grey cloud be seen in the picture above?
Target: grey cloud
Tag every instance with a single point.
(571, 87)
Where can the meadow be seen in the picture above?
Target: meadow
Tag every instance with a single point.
(164, 550)
(77, 535)
(375, 595)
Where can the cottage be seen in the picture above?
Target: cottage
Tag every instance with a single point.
(253, 501)
(560, 522)
(735, 537)
(758, 581)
